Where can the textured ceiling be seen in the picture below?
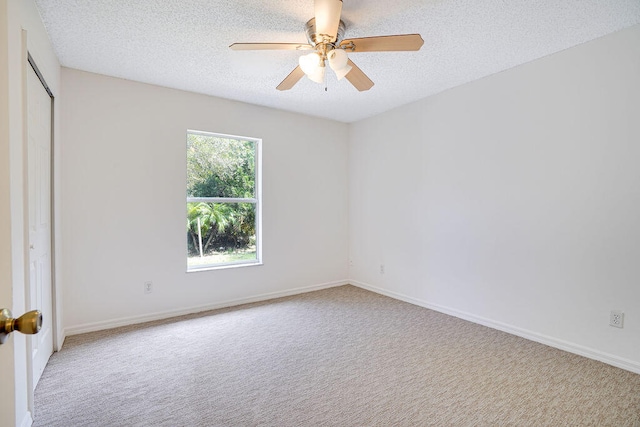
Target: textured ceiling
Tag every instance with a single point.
(183, 44)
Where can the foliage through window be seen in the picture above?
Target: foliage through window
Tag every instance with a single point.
(223, 200)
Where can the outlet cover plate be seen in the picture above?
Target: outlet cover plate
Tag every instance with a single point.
(616, 318)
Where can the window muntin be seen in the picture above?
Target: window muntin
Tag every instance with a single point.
(223, 201)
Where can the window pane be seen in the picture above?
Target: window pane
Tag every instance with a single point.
(220, 233)
(220, 167)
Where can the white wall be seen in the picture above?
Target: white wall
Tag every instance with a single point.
(512, 201)
(21, 31)
(124, 170)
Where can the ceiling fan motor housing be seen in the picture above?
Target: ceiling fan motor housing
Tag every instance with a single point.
(314, 39)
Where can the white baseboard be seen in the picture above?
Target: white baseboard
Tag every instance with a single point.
(125, 321)
(610, 359)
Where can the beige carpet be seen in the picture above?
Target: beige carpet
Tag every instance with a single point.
(337, 357)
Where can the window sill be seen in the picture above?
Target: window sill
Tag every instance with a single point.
(222, 266)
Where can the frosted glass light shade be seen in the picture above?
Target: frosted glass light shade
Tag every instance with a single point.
(337, 59)
(310, 63)
(342, 71)
(317, 76)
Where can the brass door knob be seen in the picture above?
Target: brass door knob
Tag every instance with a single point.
(28, 323)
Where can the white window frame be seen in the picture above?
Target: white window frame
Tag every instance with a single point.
(257, 200)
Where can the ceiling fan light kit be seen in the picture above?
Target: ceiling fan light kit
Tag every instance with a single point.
(313, 64)
(325, 34)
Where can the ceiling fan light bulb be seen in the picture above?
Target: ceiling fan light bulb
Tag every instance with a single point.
(310, 63)
(340, 73)
(337, 59)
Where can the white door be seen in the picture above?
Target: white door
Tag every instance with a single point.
(7, 405)
(39, 189)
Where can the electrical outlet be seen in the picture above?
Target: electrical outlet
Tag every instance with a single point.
(350, 263)
(381, 268)
(616, 318)
(148, 287)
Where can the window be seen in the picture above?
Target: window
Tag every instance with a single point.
(223, 201)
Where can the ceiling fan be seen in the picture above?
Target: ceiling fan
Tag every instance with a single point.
(325, 34)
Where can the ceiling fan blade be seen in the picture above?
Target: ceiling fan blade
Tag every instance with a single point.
(358, 79)
(291, 79)
(401, 42)
(327, 18)
(271, 46)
